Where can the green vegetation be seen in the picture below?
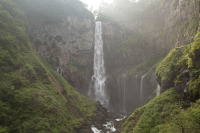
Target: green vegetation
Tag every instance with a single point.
(33, 98)
(190, 28)
(147, 66)
(174, 63)
(164, 114)
(132, 120)
(73, 68)
(168, 113)
(133, 48)
(183, 58)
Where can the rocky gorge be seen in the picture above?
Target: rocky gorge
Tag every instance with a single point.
(68, 45)
(134, 71)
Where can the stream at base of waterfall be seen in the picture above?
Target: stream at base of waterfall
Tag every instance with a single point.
(109, 126)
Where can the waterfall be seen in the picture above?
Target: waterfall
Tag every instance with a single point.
(142, 89)
(60, 70)
(124, 92)
(158, 90)
(99, 78)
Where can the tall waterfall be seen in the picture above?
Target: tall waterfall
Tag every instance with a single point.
(99, 77)
(142, 89)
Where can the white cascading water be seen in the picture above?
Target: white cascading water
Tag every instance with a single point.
(124, 92)
(158, 90)
(99, 77)
(110, 126)
(142, 89)
(95, 130)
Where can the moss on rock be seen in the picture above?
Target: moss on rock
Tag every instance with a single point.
(164, 114)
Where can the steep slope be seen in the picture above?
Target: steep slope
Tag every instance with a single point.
(62, 32)
(180, 69)
(164, 114)
(177, 109)
(33, 98)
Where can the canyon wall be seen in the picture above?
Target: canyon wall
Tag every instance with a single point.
(134, 43)
(63, 34)
(68, 46)
(135, 40)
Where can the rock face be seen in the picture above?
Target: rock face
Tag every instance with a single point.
(171, 24)
(68, 46)
(62, 32)
(127, 91)
(143, 39)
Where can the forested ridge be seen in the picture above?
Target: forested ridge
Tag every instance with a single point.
(33, 97)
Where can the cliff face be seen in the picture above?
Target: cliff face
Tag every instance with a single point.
(159, 27)
(178, 75)
(68, 46)
(135, 42)
(64, 39)
(127, 92)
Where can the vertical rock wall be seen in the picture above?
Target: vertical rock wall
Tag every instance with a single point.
(124, 91)
(68, 47)
(127, 44)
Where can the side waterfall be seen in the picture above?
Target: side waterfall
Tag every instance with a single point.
(158, 90)
(142, 89)
(124, 93)
(99, 78)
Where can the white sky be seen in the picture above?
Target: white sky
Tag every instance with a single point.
(95, 3)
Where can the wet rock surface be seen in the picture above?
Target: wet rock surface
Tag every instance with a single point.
(103, 122)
